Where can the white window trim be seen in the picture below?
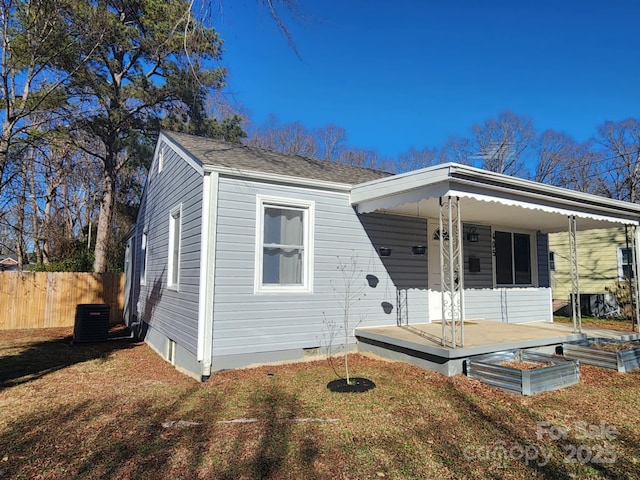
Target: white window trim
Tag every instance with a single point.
(533, 257)
(172, 226)
(620, 264)
(308, 207)
(144, 264)
(552, 264)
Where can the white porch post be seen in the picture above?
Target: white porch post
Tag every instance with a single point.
(575, 281)
(451, 272)
(636, 289)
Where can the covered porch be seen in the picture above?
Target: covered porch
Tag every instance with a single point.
(487, 254)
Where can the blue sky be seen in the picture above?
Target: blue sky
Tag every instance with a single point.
(412, 73)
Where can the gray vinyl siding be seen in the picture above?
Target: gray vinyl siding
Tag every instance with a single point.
(399, 233)
(481, 250)
(512, 305)
(542, 247)
(249, 322)
(174, 313)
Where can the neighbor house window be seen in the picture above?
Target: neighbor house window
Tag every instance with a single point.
(284, 246)
(625, 263)
(143, 258)
(552, 261)
(175, 217)
(513, 258)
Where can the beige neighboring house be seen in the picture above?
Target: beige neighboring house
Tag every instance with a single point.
(604, 257)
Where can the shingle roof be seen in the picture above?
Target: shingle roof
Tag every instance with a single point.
(232, 155)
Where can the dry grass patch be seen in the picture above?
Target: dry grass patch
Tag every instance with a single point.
(97, 411)
(623, 324)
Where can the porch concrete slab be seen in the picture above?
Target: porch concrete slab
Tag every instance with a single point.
(419, 344)
(481, 336)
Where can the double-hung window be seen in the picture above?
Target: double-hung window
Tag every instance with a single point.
(175, 227)
(625, 263)
(284, 245)
(513, 258)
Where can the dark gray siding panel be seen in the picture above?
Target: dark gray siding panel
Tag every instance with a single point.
(248, 322)
(480, 250)
(542, 244)
(399, 234)
(174, 313)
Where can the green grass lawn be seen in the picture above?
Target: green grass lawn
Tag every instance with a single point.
(117, 411)
(599, 322)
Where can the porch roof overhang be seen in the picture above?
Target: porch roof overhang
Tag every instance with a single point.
(492, 199)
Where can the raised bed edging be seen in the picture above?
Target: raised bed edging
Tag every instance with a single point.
(623, 361)
(489, 369)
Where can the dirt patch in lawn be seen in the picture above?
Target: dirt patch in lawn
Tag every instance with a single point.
(116, 410)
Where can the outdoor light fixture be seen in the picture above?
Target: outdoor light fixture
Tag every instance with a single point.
(473, 236)
(384, 251)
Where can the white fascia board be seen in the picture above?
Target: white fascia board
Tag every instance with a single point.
(411, 196)
(184, 154)
(541, 190)
(393, 185)
(276, 178)
(592, 206)
(463, 178)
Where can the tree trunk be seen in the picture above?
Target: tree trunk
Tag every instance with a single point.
(104, 222)
(35, 223)
(22, 200)
(4, 151)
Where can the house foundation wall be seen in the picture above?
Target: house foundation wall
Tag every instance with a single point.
(256, 359)
(184, 360)
(446, 366)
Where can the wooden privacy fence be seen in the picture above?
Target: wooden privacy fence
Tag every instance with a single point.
(46, 300)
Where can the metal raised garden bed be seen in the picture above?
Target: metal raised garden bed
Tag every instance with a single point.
(620, 355)
(539, 372)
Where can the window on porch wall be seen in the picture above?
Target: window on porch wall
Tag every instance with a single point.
(513, 258)
(625, 263)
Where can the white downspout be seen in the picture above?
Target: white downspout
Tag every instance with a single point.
(207, 271)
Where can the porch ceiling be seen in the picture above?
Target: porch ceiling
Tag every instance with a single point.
(488, 198)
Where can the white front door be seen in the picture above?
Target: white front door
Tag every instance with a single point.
(435, 289)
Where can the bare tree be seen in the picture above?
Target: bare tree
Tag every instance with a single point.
(414, 159)
(362, 157)
(583, 172)
(330, 138)
(500, 143)
(555, 152)
(275, 8)
(291, 138)
(294, 138)
(620, 143)
(456, 150)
